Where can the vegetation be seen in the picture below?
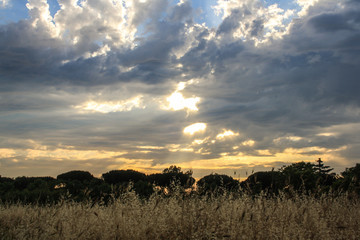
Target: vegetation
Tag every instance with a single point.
(301, 178)
(216, 184)
(299, 201)
(225, 216)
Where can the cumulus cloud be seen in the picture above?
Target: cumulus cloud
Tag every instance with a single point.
(252, 20)
(145, 81)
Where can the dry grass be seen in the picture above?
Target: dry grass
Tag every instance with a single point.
(301, 217)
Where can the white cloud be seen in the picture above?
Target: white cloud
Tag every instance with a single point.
(40, 16)
(252, 20)
(93, 21)
(305, 5)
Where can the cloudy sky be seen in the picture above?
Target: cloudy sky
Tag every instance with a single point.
(214, 86)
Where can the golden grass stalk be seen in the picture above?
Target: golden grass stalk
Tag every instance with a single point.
(178, 217)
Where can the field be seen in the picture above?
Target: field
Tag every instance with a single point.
(179, 217)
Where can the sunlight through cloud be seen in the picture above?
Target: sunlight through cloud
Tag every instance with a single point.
(226, 133)
(107, 107)
(327, 134)
(248, 143)
(178, 102)
(194, 128)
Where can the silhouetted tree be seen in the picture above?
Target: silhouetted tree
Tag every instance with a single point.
(143, 188)
(326, 179)
(6, 179)
(172, 169)
(76, 175)
(77, 183)
(351, 179)
(321, 168)
(6, 186)
(216, 184)
(123, 176)
(300, 176)
(39, 190)
(120, 180)
(352, 173)
(270, 182)
(21, 183)
(303, 176)
(172, 176)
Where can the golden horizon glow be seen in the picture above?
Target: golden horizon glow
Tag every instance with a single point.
(249, 161)
(225, 162)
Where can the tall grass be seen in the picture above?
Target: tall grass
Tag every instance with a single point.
(179, 217)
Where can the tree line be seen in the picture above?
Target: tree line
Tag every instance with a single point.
(301, 177)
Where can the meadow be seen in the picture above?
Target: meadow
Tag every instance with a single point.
(187, 217)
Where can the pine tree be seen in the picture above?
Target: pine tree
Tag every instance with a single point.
(321, 169)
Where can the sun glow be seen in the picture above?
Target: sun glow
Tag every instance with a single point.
(178, 102)
(194, 128)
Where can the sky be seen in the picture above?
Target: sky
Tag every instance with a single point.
(219, 86)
